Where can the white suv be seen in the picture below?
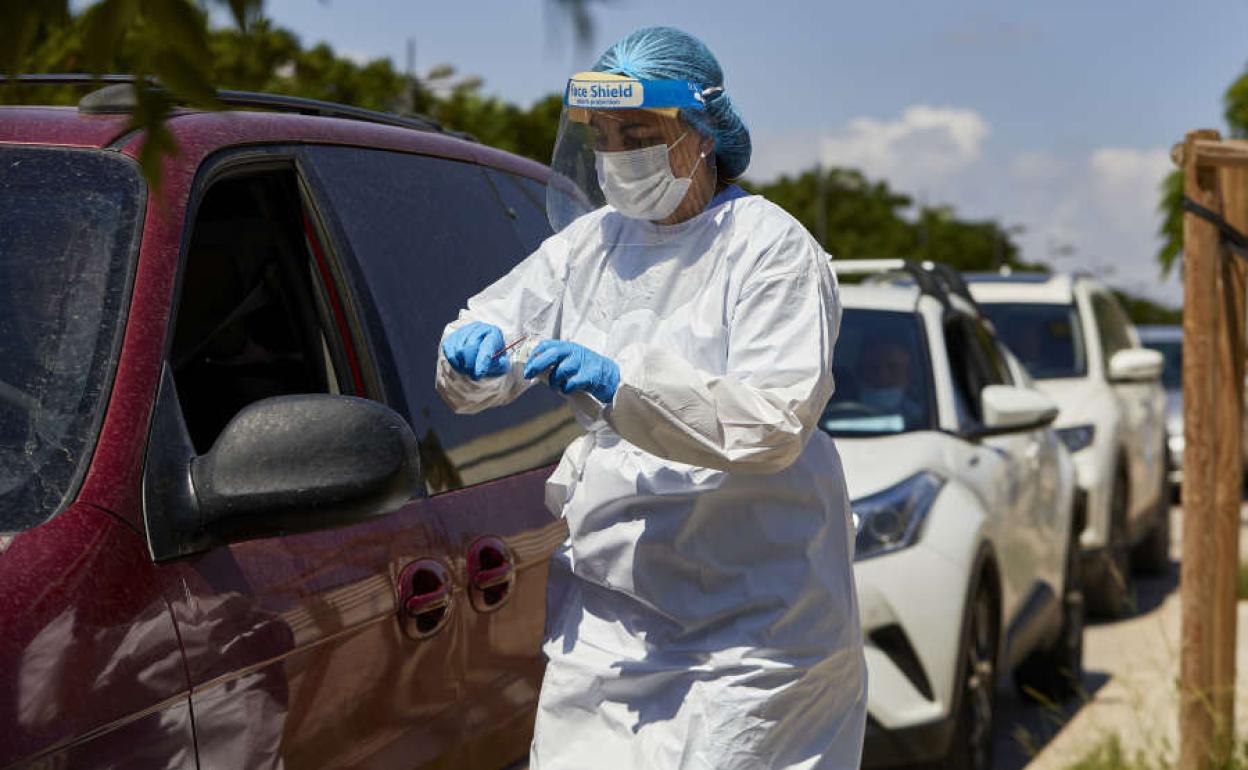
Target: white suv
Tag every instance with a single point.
(1076, 341)
(963, 505)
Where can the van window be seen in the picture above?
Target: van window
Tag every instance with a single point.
(247, 325)
(524, 202)
(426, 234)
(70, 224)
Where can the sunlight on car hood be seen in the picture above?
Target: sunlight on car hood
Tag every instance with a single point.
(877, 463)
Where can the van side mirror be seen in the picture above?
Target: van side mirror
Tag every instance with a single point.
(307, 462)
(1136, 365)
(282, 465)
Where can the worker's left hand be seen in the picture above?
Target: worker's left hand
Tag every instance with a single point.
(574, 367)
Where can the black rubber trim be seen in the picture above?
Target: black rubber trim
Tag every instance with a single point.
(894, 643)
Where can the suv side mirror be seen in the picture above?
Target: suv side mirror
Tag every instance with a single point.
(1008, 409)
(307, 462)
(1136, 365)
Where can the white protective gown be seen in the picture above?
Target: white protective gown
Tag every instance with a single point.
(702, 613)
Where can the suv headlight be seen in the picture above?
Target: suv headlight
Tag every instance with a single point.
(1077, 437)
(891, 520)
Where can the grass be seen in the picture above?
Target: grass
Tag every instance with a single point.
(1109, 755)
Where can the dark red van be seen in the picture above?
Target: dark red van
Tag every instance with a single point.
(238, 527)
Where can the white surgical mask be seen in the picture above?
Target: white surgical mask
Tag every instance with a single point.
(640, 183)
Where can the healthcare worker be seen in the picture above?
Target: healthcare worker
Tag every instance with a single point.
(702, 612)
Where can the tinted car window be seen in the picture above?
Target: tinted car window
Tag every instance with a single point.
(69, 226)
(975, 363)
(1046, 338)
(883, 380)
(247, 328)
(990, 353)
(1111, 325)
(1172, 374)
(427, 234)
(524, 203)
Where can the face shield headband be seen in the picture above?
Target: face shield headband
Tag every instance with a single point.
(630, 147)
(593, 91)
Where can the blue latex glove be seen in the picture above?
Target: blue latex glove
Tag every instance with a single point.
(574, 367)
(470, 350)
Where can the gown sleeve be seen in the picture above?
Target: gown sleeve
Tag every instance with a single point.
(758, 415)
(526, 301)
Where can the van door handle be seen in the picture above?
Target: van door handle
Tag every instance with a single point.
(425, 598)
(491, 573)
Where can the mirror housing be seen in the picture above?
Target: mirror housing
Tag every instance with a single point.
(1010, 409)
(1136, 365)
(306, 462)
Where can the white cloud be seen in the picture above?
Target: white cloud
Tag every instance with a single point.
(1127, 179)
(1102, 202)
(924, 148)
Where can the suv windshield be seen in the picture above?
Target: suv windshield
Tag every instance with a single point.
(69, 223)
(1046, 338)
(883, 381)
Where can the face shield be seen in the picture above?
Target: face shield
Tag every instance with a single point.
(625, 152)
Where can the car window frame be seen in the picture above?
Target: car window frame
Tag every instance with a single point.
(241, 161)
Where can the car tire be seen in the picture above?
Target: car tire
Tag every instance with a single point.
(973, 734)
(1152, 555)
(1112, 594)
(1054, 674)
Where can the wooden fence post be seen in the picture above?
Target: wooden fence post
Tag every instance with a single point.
(1200, 316)
(1233, 184)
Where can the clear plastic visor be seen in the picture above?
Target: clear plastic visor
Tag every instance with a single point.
(642, 166)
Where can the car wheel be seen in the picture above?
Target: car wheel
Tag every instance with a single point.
(1054, 674)
(1113, 595)
(1152, 555)
(973, 734)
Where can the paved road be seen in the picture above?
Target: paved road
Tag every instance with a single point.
(1131, 669)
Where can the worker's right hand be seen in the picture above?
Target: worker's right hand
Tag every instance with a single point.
(471, 350)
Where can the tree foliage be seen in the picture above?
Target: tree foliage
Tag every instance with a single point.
(169, 42)
(863, 219)
(165, 40)
(1235, 110)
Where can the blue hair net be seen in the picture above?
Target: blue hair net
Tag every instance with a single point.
(665, 53)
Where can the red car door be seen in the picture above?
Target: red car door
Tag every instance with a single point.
(407, 640)
(423, 234)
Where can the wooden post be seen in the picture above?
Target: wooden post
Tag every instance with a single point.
(1200, 317)
(1230, 466)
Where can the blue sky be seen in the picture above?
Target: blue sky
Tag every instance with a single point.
(1055, 116)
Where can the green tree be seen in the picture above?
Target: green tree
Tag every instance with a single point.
(1235, 111)
(162, 39)
(1145, 311)
(169, 41)
(867, 219)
